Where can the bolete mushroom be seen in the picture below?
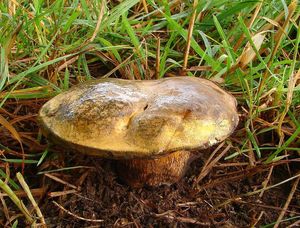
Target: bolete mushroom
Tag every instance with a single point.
(149, 127)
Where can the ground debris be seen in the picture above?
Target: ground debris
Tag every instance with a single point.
(103, 195)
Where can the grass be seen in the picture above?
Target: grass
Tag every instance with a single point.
(250, 47)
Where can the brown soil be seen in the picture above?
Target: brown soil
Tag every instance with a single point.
(103, 196)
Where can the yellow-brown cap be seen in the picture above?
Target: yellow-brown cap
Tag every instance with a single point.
(118, 118)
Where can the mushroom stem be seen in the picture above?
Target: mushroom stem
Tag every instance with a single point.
(166, 169)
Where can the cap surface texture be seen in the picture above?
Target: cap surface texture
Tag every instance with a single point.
(134, 119)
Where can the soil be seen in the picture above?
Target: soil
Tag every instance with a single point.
(217, 201)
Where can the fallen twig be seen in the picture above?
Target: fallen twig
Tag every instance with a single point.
(60, 181)
(287, 203)
(76, 216)
(170, 215)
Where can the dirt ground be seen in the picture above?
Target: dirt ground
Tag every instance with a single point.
(217, 201)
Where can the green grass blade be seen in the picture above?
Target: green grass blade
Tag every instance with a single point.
(133, 38)
(10, 181)
(184, 33)
(118, 11)
(227, 46)
(284, 146)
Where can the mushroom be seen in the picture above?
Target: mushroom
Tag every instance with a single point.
(150, 127)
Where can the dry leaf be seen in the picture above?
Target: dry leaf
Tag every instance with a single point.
(248, 52)
(10, 128)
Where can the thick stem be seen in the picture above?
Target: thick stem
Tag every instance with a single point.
(167, 169)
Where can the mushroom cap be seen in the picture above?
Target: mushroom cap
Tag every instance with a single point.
(118, 118)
